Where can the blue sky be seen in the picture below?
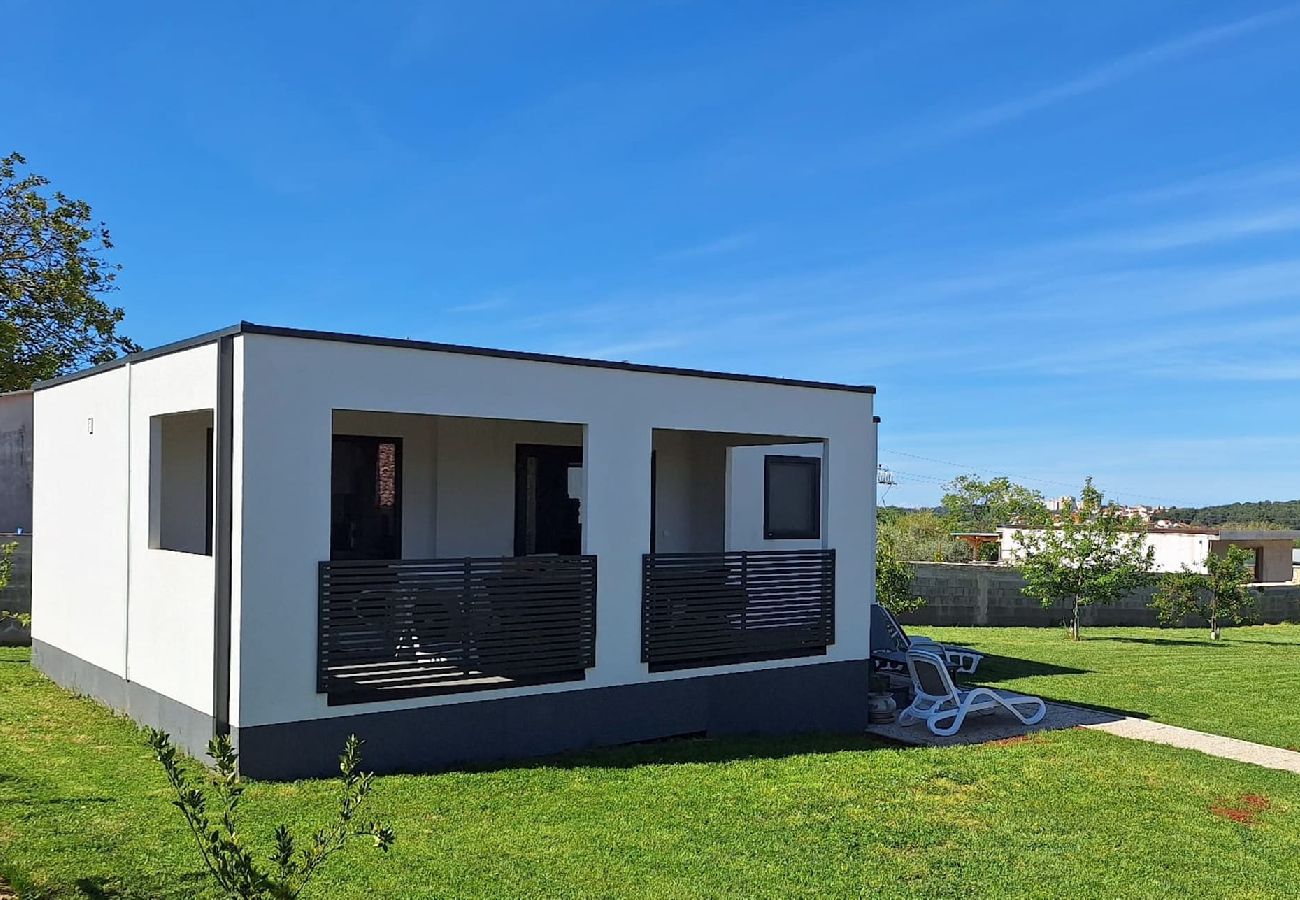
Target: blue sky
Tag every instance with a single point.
(1061, 238)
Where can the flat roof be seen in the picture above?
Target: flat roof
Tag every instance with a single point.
(408, 344)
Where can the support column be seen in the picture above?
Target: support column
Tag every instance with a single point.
(616, 528)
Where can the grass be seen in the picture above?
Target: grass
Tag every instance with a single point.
(1244, 686)
(84, 812)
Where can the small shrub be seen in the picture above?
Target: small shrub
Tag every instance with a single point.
(6, 571)
(210, 814)
(894, 579)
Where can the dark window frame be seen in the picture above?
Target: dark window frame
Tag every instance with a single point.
(398, 536)
(815, 510)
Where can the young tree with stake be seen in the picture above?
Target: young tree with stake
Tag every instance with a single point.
(1093, 554)
(1214, 595)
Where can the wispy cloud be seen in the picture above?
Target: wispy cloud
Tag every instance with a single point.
(488, 304)
(1230, 182)
(1198, 230)
(1098, 78)
(627, 349)
(717, 247)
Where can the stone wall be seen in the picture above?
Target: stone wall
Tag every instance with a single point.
(17, 597)
(973, 594)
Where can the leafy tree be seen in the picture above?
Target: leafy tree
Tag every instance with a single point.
(921, 535)
(211, 818)
(972, 504)
(1092, 554)
(1265, 513)
(1214, 595)
(52, 269)
(894, 578)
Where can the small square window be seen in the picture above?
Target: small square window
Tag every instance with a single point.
(792, 498)
(180, 482)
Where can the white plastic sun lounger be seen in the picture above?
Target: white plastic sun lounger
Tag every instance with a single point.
(939, 701)
(887, 633)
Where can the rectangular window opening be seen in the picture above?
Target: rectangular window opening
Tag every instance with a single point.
(792, 498)
(366, 498)
(181, 482)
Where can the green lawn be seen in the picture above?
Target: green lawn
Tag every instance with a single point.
(1245, 686)
(83, 812)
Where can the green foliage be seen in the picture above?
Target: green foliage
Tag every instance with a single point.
(6, 571)
(1283, 514)
(52, 266)
(894, 578)
(1071, 813)
(921, 535)
(1214, 595)
(211, 819)
(1092, 555)
(972, 504)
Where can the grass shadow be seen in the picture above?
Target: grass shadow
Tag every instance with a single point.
(1097, 707)
(100, 888)
(1001, 668)
(1162, 642)
(689, 750)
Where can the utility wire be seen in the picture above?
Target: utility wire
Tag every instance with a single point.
(979, 470)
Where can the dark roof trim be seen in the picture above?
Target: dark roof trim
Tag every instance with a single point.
(340, 337)
(164, 350)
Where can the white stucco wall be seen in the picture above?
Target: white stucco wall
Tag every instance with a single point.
(170, 609)
(292, 387)
(79, 506)
(1176, 550)
(745, 497)
(476, 481)
(1173, 551)
(99, 591)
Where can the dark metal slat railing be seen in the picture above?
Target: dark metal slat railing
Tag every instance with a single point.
(389, 629)
(707, 609)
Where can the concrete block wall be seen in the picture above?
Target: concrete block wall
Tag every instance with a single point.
(973, 594)
(17, 597)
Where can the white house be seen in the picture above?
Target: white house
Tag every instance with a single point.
(456, 553)
(1177, 546)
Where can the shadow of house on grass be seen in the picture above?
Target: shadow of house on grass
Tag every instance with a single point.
(689, 750)
(1002, 668)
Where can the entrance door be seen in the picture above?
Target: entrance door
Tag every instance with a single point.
(366, 498)
(548, 500)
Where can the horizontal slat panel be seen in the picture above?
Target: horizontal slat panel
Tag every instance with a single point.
(701, 609)
(406, 628)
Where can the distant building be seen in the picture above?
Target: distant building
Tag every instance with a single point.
(16, 462)
(1179, 546)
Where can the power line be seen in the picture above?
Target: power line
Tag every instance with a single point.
(983, 471)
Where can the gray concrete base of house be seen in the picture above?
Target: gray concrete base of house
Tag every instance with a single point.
(821, 697)
(190, 729)
(975, 594)
(824, 697)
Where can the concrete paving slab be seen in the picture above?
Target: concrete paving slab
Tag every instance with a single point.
(994, 725)
(1213, 744)
(999, 725)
